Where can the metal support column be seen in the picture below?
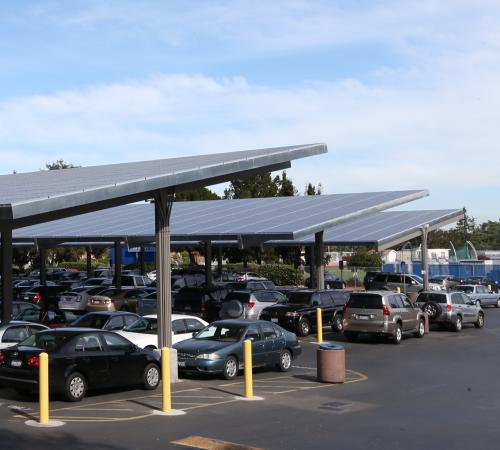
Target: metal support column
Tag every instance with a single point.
(425, 259)
(142, 267)
(89, 261)
(312, 268)
(6, 274)
(219, 262)
(319, 254)
(43, 265)
(208, 263)
(163, 208)
(118, 264)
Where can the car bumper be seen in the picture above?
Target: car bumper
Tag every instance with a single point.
(201, 365)
(367, 326)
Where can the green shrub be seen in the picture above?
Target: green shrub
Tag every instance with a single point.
(279, 274)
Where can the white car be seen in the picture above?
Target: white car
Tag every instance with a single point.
(152, 275)
(144, 332)
(17, 331)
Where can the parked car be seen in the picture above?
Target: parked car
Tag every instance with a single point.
(447, 282)
(244, 276)
(97, 281)
(382, 313)
(144, 332)
(17, 331)
(249, 304)
(451, 308)
(146, 305)
(218, 348)
(299, 313)
(80, 360)
(18, 307)
(52, 318)
(76, 299)
(106, 320)
(47, 296)
(480, 294)
(368, 279)
(136, 281)
(331, 282)
(113, 299)
(204, 302)
(407, 283)
(485, 281)
(251, 285)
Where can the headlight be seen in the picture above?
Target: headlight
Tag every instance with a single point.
(210, 356)
(292, 314)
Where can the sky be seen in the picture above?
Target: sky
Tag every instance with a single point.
(406, 94)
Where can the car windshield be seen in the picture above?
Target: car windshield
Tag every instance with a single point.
(366, 301)
(224, 333)
(143, 325)
(299, 298)
(418, 278)
(466, 289)
(47, 341)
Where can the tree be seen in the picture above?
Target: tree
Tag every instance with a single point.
(313, 190)
(59, 164)
(285, 186)
(196, 194)
(257, 186)
(364, 258)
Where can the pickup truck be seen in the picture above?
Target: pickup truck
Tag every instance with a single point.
(299, 313)
(480, 294)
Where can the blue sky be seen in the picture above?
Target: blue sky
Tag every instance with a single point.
(405, 93)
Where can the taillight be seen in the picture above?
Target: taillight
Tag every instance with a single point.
(448, 308)
(250, 305)
(37, 297)
(3, 358)
(89, 300)
(34, 361)
(386, 311)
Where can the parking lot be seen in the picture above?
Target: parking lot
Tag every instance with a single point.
(438, 391)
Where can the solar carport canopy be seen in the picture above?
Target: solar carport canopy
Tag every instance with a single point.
(29, 198)
(253, 220)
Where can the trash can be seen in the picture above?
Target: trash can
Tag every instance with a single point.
(330, 360)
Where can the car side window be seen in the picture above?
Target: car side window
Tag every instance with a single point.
(115, 323)
(15, 334)
(268, 331)
(481, 290)
(178, 326)
(88, 343)
(315, 300)
(394, 301)
(326, 299)
(253, 332)
(465, 298)
(129, 320)
(406, 302)
(394, 279)
(115, 342)
(457, 299)
(193, 325)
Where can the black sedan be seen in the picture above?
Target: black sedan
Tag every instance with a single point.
(218, 348)
(106, 320)
(79, 359)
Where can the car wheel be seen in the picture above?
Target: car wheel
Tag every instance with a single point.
(479, 323)
(433, 309)
(478, 303)
(457, 326)
(338, 323)
(151, 377)
(497, 305)
(232, 310)
(150, 347)
(398, 335)
(75, 387)
(420, 329)
(351, 336)
(285, 360)
(230, 368)
(304, 327)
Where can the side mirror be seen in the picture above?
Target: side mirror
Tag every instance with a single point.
(194, 333)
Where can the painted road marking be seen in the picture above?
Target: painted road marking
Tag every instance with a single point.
(211, 444)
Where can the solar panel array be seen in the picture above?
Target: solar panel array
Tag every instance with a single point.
(262, 218)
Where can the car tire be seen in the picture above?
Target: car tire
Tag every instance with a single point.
(232, 310)
(285, 361)
(230, 368)
(420, 329)
(397, 335)
(457, 326)
(75, 387)
(150, 347)
(151, 377)
(351, 336)
(497, 304)
(304, 327)
(338, 323)
(479, 323)
(433, 309)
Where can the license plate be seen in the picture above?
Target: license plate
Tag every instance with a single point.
(363, 317)
(16, 363)
(274, 319)
(26, 298)
(181, 363)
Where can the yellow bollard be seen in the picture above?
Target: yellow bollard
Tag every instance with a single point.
(43, 387)
(489, 287)
(165, 379)
(319, 318)
(247, 356)
(398, 290)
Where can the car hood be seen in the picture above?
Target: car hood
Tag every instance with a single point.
(197, 346)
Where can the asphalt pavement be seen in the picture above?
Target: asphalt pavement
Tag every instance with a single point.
(442, 391)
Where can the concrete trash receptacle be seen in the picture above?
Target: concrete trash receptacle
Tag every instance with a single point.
(331, 363)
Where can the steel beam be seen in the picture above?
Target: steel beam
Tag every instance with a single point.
(425, 259)
(208, 263)
(312, 267)
(142, 266)
(6, 274)
(89, 261)
(118, 264)
(319, 254)
(219, 262)
(43, 265)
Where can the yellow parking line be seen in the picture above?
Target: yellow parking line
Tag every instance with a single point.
(211, 444)
(211, 404)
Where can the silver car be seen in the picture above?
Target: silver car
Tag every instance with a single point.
(451, 308)
(480, 294)
(383, 313)
(76, 299)
(249, 304)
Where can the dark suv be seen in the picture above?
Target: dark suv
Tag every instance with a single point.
(204, 302)
(299, 313)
